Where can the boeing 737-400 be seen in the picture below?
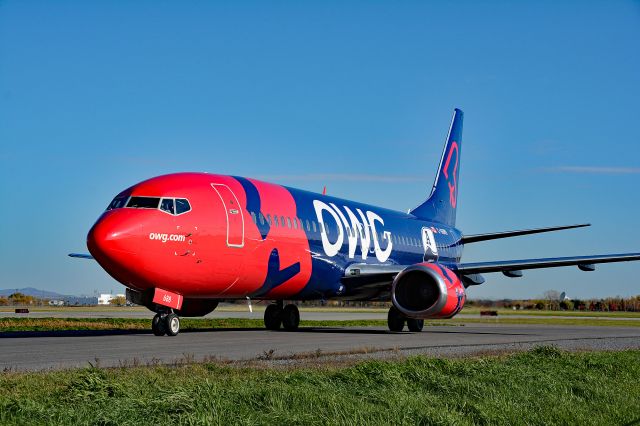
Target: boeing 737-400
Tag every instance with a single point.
(183, 242)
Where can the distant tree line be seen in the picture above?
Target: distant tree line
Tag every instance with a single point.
(550, 301)
(21, 299)
(609, 304)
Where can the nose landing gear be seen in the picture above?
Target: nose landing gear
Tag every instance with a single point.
(168, 324)
(276, 315)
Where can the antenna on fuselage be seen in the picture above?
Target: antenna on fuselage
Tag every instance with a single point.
(324, 190)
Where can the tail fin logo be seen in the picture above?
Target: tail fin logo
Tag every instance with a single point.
(452, 180)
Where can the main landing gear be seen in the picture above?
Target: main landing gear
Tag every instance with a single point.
(396, 321)
(168, 324)
(276, 315)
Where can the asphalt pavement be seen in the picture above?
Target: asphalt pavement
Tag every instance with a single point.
(59, 350)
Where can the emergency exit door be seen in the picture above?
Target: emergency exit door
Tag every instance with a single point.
(233, 211)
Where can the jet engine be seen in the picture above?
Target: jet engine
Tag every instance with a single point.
(428, 290)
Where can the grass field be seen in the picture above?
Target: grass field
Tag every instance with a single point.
(260, 307)
(62, 324)
(543, 386)
(13, 324)
(56, 324)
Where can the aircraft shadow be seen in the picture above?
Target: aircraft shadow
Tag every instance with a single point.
(426, 330)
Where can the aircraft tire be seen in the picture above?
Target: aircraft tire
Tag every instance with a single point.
(158, 326)
(273, 317)
(172, 324)
(290, 318)
(395, 320)
(415, 325)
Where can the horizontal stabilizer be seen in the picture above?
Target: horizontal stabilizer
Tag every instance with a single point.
(586, 262)
(467, 239)
(81, 255)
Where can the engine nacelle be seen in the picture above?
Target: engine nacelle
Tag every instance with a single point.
(428, 290)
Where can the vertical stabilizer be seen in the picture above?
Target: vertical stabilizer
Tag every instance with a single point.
(443, 201)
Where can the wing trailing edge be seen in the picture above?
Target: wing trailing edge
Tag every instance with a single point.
(468, 239)
(507, 267)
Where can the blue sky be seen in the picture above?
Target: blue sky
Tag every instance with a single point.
(96, 96)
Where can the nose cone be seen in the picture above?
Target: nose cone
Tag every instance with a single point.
(114, 235)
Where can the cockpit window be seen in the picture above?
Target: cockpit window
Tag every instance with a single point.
(144, 202)
(173, 206)
(182, 206)
(167, 205)
(118, 202)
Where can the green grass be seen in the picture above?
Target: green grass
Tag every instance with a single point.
(543, 386)
(598, 322)
(13, 324)
(598, 314)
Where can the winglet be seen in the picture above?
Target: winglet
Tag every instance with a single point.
(81, 255)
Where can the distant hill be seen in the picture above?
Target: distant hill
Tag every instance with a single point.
(30, 291)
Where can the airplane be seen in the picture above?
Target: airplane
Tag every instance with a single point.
(183, 242)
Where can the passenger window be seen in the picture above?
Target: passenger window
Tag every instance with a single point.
(269, 219)
(282, 222)
(288, 222)
(275, 220)
(182, 206)
(167, 205)
(306, 222)
(144, 202)
(295, 223)
(261, 218)
(253, 217)
(313, 224)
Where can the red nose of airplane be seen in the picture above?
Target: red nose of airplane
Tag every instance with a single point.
(115, 235)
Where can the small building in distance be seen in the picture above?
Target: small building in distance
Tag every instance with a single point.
(105, 299)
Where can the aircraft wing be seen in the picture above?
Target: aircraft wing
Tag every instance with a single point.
(81, 255)
(468, 239)
(585, 263)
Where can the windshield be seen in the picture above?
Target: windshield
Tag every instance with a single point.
(172, 206)
(144, 202)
